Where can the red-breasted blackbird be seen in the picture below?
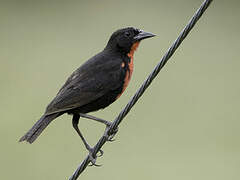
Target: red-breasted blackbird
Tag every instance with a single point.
(95, 85)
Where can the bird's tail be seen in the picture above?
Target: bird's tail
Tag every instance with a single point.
(38, 128)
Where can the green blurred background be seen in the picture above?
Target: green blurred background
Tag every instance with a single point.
(185, 127)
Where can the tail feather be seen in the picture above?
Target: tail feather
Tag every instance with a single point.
(38, 128)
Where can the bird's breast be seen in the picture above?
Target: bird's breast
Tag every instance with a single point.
(129, 67)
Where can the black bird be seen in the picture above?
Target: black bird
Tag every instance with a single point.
(95, 85)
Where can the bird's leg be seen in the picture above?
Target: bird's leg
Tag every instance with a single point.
(107, 123)
(75, 122)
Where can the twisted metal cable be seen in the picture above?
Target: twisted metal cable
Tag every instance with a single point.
(114, 126)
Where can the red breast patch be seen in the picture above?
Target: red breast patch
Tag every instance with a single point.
(130, 66)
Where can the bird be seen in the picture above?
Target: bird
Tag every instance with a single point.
(96, 84)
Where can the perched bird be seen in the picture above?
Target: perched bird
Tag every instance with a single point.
(96, 84)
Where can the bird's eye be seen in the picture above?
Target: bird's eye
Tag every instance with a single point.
(127, 34)
(136, 31)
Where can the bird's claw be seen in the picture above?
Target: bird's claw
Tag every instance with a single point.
(93, 159)
(101, 153)
(110, 138)
(93, 163)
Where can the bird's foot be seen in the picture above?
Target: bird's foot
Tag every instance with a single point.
(93, 158)
(110, 137)
(108, 123)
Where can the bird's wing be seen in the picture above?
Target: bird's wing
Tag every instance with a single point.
(92, 80)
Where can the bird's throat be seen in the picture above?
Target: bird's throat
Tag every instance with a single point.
(130, 64)
(133, 49)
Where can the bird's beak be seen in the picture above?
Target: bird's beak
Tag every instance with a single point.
(143, 35)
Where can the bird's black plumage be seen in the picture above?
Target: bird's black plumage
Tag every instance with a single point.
(94, 85)
(101, 76)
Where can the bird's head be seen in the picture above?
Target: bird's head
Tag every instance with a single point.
(123, 40)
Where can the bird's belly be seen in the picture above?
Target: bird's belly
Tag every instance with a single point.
(99, 103)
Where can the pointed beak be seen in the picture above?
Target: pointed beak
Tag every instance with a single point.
(143, 35)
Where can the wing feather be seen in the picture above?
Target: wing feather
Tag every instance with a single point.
(92, 80)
